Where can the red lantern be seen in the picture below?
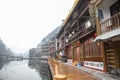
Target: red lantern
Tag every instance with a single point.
(95, 35)
(78, 43)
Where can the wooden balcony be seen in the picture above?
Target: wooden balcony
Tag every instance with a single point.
(71, 72)
(80, 33)
(111, 23)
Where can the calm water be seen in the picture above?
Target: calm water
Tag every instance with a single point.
(22, 70)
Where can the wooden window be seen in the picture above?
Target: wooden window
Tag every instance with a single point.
(115, 8)
(92, 49)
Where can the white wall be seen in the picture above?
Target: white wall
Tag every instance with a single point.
(104, 6)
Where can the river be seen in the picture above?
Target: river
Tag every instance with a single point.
(24, 70)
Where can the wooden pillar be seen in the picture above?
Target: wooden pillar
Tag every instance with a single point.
(83, 52)
(98, 27)
(56, 67)
(104, 56)
(60, 77)
(99, 32)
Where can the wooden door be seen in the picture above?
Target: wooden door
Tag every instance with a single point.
(118, 53)
(110, 57)
(112, 52)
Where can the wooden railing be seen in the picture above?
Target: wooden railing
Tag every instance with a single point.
(53, 66)
(54, 70)
(111, 23)
(71, 72)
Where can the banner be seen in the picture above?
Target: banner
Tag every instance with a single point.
(95, 65)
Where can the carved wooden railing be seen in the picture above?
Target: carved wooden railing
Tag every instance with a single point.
(53, 66)
(71, 72)
(54, 70)
(111, 23)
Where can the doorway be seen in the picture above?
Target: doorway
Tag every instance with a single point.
(112, 53)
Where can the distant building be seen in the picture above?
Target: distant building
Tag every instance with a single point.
(47, 47)
(44, 50)
(32, 53)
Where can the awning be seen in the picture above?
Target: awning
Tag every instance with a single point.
(107, 35)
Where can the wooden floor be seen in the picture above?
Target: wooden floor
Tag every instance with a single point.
(71, 72)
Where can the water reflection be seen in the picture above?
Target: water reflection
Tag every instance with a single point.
(2, 63)
(24, 70)
(42, 68)
(18, 70)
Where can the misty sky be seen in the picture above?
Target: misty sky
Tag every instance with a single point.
(24, 23)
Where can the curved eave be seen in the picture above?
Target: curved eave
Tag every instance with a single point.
(69, 14)
(107, 35)
(67, 18)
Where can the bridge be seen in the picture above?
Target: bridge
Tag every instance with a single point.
(9, 58)
(38, 58)
(18, 58)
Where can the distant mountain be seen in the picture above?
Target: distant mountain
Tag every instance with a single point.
(4, 50)
(49, 37)
(52, 34)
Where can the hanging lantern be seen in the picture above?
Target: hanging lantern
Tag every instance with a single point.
(78, 43)
(95, 35)
(98, 43)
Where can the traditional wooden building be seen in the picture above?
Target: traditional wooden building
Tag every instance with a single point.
(48, 44)
(77, 35)
(32, 54)
(108, 30)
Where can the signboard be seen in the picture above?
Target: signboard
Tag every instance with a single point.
(95, 65)
(69, 61)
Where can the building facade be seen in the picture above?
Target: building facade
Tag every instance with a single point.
(87, 35)
(77, 35)
(46, 47)
(108, 26)
(32, 54)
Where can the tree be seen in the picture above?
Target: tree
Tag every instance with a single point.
(4, 50)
